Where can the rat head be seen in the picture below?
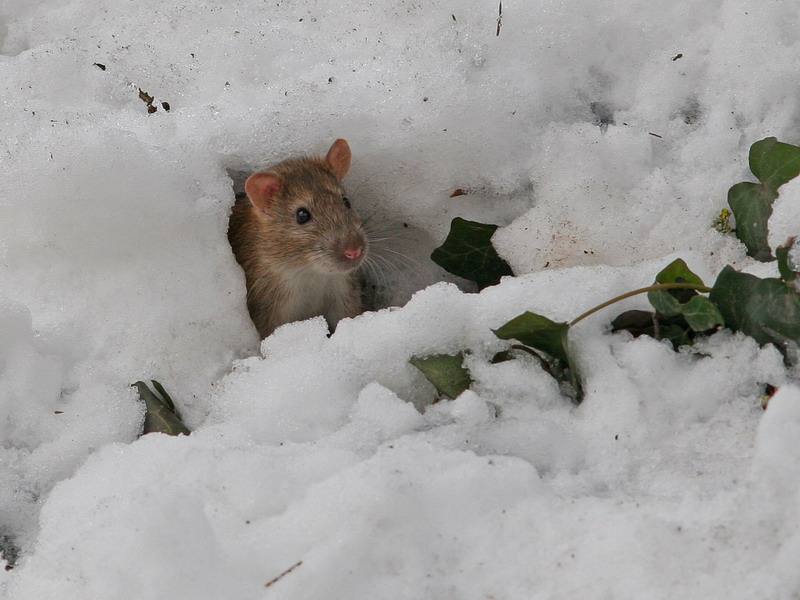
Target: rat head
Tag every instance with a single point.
(307, 219)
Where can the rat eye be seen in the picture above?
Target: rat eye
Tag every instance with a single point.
(346, 201)
(303, 216)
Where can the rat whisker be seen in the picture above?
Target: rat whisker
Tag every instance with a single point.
(378, 275)
(387, 238)
(400, 256)
(395, 262)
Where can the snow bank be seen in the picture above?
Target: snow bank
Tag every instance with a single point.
(602, 137)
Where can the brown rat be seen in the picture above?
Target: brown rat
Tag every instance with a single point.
(300, 242)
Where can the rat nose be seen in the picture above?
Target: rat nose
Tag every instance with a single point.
(353, 252)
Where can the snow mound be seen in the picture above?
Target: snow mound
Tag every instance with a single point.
(601, 137)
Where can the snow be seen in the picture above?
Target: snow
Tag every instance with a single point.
(601, 136)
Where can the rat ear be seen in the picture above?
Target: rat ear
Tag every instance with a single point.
(262, 188)
(339, 158)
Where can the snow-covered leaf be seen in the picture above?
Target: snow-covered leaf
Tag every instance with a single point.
(468, 253)
(445, 371)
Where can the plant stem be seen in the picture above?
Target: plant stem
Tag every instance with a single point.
(651, 288)
(537, 356)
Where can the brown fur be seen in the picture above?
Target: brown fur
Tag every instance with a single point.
(296, 271)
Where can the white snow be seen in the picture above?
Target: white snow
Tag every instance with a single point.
(602, 136)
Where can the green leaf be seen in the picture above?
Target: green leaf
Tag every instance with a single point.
(468, 253)
(640, 322)
(701, 314)
(751, 204)
(165, 397)
(678, 272)
(500, 357)
(549, 337)
(446, 372)
(788, 274)
(158, 417)
(537, 332)
(773, 162)
(664, 302)
(636, 322)
(677, 334)
(668, 302)
(766, 309)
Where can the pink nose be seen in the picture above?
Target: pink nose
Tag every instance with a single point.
(352, 253)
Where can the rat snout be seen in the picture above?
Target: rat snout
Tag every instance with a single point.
(353, 252)
(350, 251)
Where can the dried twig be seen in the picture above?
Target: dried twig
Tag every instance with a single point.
(284, 574)
(499, 18)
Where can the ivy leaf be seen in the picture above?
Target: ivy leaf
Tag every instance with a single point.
(637, 322)
(664, 302)
(165, 397)
(773, 162)
(503, 356)
(669, 302)
(468, 253)
(701, 314)
(690, 311)
(788, 274)
(641, 322)
(537, 332)
(678, 333)
(159, 418)
(678, 272)
(549, 337)
(751, 204)
(446, 372)
(765, 309)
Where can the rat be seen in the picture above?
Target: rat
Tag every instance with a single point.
(300, 242)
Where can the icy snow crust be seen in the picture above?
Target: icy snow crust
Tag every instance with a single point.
(668, 482)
